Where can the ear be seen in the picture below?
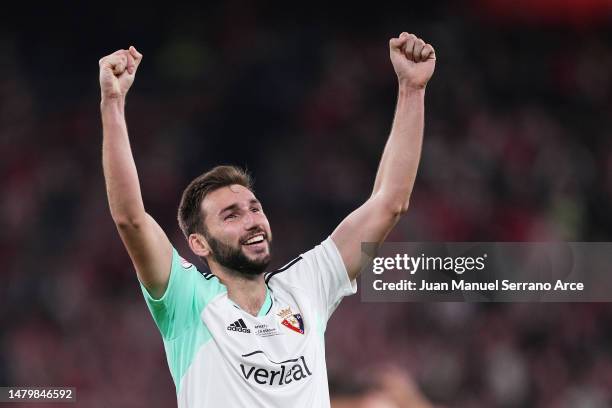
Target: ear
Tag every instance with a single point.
(199, 245)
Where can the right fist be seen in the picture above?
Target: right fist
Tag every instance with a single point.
(117, 72)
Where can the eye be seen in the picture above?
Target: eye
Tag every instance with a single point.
(230, 216)
(255, 209)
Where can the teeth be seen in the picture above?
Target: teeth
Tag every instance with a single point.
(255, 239)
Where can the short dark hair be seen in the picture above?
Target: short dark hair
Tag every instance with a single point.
(190, 217)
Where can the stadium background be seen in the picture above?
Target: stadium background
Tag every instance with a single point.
(517, 148)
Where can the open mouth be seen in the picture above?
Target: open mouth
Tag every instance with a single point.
(257, 239)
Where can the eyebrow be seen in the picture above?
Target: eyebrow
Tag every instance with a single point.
(235, 206)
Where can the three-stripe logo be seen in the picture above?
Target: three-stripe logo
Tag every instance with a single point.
(239, 326)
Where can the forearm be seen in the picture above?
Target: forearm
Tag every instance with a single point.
(122, 185)
(400, 160)
(413, 62)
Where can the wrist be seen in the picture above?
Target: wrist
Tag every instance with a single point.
(409, 89)
(112, 102)
(112, 110)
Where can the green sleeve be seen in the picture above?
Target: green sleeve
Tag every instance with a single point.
(185, 298)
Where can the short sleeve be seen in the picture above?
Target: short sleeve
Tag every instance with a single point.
(186, 295)
(322, 273)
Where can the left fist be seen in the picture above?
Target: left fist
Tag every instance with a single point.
(413, 60)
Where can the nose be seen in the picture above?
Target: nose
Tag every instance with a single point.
(248, 221)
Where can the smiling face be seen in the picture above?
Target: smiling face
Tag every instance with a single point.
(236, 230)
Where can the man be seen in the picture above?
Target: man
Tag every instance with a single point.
(237, 337)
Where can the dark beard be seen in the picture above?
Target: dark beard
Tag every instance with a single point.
(234, 259)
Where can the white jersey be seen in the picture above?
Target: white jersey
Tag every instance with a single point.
(222, 356)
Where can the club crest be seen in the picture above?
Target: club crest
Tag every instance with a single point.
(291, 320)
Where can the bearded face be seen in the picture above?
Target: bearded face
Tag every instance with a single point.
(246, 261)
(237, 230)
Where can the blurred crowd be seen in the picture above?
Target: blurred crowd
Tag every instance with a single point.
(517, 148)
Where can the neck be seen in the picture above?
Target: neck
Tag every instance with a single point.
(248, 292)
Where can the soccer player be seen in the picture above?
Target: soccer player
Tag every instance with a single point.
(236, 336)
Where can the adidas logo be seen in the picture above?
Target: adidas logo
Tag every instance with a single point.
(238, 326)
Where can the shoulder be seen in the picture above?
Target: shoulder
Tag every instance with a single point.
(322, 257)
(202, 282)
(289, 265)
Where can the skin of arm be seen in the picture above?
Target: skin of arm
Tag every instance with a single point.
(414, 62)
(145, 241)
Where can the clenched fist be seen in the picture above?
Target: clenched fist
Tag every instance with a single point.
(413, 60)
(117, 72)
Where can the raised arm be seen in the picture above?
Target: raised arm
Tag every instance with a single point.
(146, 243)
(414, 62)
